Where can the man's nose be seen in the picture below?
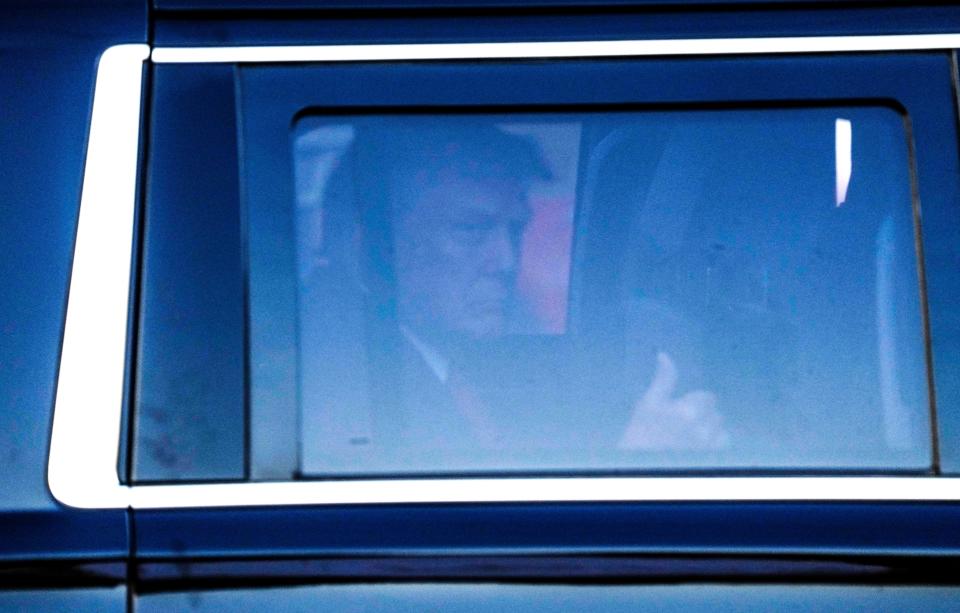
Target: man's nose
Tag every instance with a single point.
(500, 250)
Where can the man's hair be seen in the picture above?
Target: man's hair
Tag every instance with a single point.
(410, 154)
(389, 158)
(417, 157)
(397, 157)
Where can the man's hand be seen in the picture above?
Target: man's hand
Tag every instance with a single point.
(662, 422)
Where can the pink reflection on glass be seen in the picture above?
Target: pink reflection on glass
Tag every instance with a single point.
(544, 276)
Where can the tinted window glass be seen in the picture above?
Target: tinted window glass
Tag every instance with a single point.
(189, 422)
(730, 288)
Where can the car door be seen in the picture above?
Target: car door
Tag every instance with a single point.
(768, 223)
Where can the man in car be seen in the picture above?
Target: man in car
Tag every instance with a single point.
(459, 203)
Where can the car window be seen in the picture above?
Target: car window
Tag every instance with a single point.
(743, 292)
(423, 288)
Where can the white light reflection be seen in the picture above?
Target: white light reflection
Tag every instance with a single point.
(565, 49)
(568, 489)
(844, 159)
(82, 469)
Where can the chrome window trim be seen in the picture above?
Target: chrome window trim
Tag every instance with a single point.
(82, 466)
(567, 49)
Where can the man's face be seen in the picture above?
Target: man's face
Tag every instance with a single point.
(457, 246)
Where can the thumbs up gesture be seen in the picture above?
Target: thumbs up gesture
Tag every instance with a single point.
(661, 421)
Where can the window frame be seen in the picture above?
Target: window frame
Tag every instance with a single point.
(82, 467)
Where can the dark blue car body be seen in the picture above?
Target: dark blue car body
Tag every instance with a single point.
(736, 554)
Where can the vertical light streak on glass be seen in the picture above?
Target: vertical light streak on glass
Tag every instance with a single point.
(896, 421)
(86, 424)
(844, 160)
